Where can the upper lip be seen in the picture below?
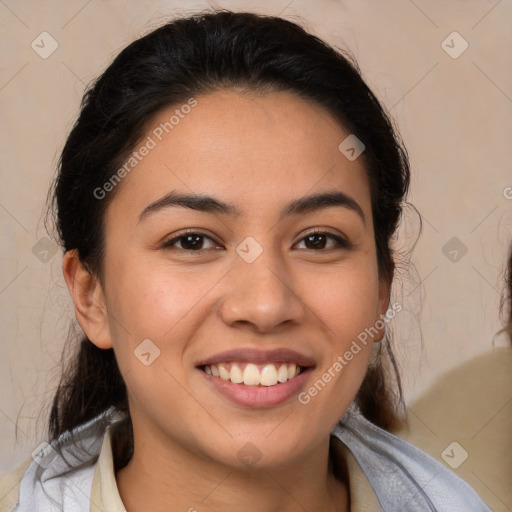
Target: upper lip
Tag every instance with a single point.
(250, 355)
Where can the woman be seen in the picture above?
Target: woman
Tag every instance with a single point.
(226, 201)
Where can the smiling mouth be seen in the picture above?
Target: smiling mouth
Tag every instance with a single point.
(250, 374)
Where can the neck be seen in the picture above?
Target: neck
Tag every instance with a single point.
(156, 478)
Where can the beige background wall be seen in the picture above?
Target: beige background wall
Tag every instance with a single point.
(454, 115)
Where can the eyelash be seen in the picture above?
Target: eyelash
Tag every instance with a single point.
(341, 242)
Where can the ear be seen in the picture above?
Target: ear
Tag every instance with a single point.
(89, 300)
(384, 296)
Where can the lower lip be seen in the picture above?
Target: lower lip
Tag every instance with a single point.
(258, 397)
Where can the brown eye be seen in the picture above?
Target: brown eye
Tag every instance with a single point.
(190, 241)
(317, 241)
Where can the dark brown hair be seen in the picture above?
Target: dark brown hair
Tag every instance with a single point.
(189, 57)
(507, 296)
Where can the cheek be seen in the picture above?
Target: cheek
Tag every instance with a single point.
(158, 304)
(347, 301)
(165, 304)
(346, 304)
(152, 299)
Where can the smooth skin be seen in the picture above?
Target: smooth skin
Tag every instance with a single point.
(196, 299)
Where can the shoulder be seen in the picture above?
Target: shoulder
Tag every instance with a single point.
(401, 475)
(60, 474)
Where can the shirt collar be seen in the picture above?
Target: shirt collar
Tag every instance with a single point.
(105, 494)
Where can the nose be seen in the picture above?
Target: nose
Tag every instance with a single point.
(261, 295)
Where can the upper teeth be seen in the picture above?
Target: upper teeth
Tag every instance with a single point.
(267, 374)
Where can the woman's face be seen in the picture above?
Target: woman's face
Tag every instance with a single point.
(236, 280)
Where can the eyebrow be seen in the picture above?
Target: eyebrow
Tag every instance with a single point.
(208, 204)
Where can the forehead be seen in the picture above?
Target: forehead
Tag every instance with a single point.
(257, 151)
